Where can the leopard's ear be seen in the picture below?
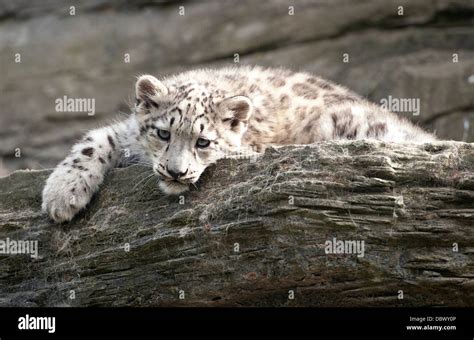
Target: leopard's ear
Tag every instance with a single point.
(148, 91)
(237, 111)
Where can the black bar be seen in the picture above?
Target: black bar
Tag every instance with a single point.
(242, 322)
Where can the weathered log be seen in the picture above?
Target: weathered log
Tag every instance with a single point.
(254, 233)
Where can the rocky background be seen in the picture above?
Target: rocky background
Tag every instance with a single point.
(83, 56)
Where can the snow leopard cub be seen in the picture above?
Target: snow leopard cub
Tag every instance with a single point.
(184, 123)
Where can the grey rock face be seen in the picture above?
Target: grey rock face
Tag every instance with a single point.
(83, 56)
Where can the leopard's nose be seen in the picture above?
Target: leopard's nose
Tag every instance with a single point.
(176, 174)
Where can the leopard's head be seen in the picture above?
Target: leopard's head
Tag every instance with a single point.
(184, 128)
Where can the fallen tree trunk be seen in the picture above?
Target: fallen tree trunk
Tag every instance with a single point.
(255, 233)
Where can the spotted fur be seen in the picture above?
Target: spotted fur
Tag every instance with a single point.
(230, 108)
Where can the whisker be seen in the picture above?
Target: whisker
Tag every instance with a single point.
(144, 172)
(144, 184)
(141, 163)
(146, 178)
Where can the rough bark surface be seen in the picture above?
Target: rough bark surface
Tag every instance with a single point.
(409, 203)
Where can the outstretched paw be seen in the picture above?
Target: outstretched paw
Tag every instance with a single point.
(66, 193)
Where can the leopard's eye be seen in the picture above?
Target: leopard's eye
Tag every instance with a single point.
(203, 143)
(163, 134)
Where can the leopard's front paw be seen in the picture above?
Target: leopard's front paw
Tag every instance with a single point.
(66, 192)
